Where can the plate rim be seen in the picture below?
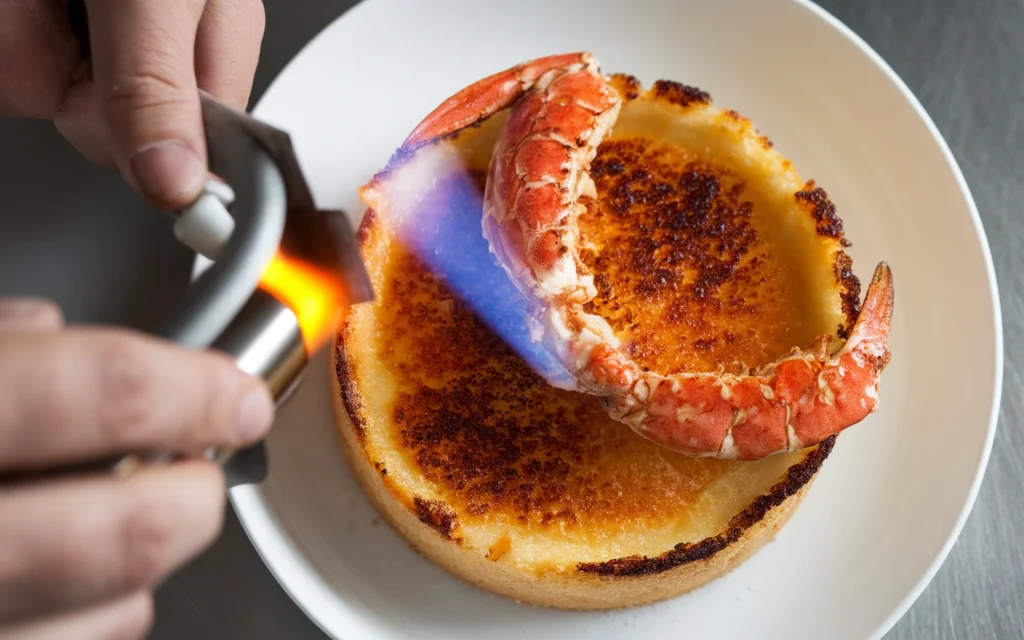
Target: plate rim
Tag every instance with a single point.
(248, 505)
(993, 417)
(997, 314)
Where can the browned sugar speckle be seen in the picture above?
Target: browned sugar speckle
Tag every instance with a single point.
(437, 515)
(850, 285)
(683, 274)
(828, 224)
(680, 94)
(628, 86)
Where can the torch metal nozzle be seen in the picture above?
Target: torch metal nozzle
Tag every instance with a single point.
(266, 341)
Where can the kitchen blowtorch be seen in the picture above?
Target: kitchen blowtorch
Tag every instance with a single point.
(275, 273)
(282, 269)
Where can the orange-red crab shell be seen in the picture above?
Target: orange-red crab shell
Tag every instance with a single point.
(561, 108)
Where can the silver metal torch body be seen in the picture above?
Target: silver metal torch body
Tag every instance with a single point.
(266, 341)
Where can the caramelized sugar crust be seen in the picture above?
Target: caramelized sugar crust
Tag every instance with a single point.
(670, 236)
(497, 439)
(499, 443)
(684, 273)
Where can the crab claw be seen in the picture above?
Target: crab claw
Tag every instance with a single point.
(792, 403)
(538, 173)
(486, 97)
(560, 109)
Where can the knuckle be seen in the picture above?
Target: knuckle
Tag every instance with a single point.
(149, 536)
(144, 90)
(127, 394)
(68, 561)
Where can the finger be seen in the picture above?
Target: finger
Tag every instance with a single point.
(228, 48)
(38, 54)
(78, 119)
(125, 618)
(74, 395)
(144, 71)
(29, 314)
(126, 534)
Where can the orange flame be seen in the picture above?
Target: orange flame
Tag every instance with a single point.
(314, 295)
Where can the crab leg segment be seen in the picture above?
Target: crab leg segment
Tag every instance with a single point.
(538, 173)
(485, 98)
(795, 402)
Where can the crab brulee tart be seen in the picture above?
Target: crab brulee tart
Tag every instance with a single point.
(699, 252)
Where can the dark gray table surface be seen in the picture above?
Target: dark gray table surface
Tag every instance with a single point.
(114, 262)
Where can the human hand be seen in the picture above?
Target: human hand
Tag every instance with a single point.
(135, 103)
(80, 555)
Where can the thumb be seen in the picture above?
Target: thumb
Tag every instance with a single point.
(145, 82)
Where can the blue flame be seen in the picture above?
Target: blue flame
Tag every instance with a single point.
(444, 231)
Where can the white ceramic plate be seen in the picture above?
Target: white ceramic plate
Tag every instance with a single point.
(892, 498)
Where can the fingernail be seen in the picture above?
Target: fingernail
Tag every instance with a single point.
(29, 313)
(21, 307)
(169, 172)
(255, 415)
